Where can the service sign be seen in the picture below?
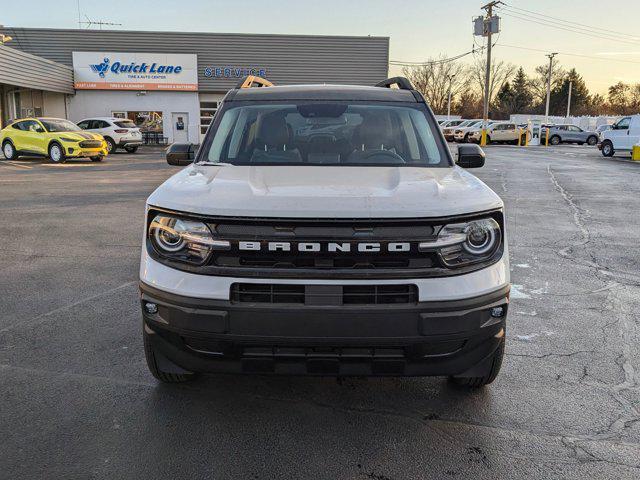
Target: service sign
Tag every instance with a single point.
(135, 71)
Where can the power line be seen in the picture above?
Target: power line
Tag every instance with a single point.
(589, 27)
(568, 54)
(566, 28)
(436, 62)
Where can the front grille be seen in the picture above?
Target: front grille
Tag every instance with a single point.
(278, 248)
(323, 294)
(91, 144)
(326, 262)
(323, 232)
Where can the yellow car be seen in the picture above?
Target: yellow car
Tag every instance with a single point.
(56, 138)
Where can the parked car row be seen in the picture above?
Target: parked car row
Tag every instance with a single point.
(470, 131)
(60, 139)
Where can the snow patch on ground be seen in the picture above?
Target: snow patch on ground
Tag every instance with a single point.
(517, 292)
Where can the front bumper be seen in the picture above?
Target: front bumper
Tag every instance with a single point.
(425, 338)
(77, 151)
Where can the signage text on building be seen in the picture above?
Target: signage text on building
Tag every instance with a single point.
(135, 71)
(233, 71)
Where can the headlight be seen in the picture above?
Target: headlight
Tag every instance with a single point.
(182, 239)
(71, 140)
(464, 243)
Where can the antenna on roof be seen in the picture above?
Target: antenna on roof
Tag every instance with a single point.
(100, 23)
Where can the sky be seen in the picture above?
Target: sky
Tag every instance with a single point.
(418, 29)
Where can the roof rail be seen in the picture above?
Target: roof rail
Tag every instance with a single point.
(402, 83)
(253, 81)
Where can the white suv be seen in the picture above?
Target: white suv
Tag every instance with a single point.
(117, 132)
(325, 230)
(496, 132)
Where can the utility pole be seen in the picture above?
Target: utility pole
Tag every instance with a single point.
(450, 77)
(546, 110)
(569, 99)
(489, 30)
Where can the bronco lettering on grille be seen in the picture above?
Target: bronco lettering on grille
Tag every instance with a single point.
(334, 247)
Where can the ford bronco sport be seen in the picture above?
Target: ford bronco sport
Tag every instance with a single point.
(325, 230)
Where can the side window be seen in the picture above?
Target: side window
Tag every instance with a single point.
(623, 124)
(103, 124)
(95, 124)
(84, 125)
(573, 128)
(19, 126)
(32, 126)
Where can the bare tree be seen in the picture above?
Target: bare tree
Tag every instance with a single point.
(501, 73)
(539, 81)
(433, 80)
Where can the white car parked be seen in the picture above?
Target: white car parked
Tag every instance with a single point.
(462, 132)
(117, 132)
(496, 132)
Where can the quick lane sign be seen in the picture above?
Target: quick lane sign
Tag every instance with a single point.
(135, 71)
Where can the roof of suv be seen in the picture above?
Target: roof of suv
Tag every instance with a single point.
(323, 92)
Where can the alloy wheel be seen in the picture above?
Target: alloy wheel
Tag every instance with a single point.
(8, 150)
(55, 153)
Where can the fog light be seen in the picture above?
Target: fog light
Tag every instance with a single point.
(497, 312)
(151, 307)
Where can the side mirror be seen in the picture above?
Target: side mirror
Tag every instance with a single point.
(181, 154)
(470, 156)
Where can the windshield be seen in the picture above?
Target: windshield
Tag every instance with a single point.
(333, 133)
(59, 125)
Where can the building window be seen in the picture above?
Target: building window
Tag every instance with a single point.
(207, 112)
(28, 103)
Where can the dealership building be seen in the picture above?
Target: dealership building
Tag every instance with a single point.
(169, 83)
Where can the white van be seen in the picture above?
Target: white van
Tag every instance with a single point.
(622, 136)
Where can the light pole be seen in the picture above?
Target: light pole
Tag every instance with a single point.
(450, 77)
(546, 110)
(569, 99)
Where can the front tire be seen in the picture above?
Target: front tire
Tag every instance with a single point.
(9, 151)
(607, 148)
(131, 149)
(592, 140)
(111, 145)
(152, 363)
(477, 382)
(56, 153)
(555, 140)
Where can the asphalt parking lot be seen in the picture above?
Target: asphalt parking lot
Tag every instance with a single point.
(77, 400)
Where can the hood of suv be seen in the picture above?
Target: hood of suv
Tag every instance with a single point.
(324, 192)
(80, 136)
